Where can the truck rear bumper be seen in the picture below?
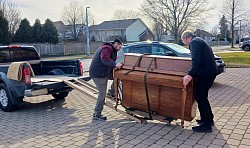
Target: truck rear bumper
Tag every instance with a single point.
(32, 93)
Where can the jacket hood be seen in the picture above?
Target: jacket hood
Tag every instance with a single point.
(108, 45)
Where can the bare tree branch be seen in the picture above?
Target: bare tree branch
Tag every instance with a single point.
(122, 14)
(12, 14)
(177, 15)
(234, 10)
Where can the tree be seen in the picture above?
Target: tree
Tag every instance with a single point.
(224, 30)
(12, 14)
(24, 32)
(4, 33)
(122, 14)
(234, 11)
(73, 15)
(158, 30)
(37, 31)
(176, 15)
(50, 33)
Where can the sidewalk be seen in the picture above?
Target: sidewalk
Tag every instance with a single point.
(45, 123)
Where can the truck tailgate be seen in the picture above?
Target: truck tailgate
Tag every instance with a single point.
(49, 84)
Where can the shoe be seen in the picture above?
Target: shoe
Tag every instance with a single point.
(200, 122)
(202, 129)
(111, 96)
(99, 117)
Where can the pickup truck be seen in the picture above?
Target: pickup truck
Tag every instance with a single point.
(44, 82)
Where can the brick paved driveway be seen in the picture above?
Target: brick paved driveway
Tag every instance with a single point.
(43, 122)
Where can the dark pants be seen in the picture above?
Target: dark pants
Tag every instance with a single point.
(203, 85)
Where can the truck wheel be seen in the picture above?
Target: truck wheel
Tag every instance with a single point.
(61, 95)
(246, 48)
(5, 100)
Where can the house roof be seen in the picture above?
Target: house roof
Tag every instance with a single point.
(116, 24)
(60, 26)
(203, 32)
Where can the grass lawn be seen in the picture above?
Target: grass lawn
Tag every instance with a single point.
(236, 59)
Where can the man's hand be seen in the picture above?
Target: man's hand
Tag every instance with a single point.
(187, 79)
(118, 65)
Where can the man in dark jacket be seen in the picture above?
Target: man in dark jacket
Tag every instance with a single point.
(204, 70)
(101, 69)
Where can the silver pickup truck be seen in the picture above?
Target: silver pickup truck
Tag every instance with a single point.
(49, 76)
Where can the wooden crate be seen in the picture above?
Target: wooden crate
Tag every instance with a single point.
(167, 95)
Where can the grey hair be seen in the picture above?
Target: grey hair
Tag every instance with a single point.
(187, 34)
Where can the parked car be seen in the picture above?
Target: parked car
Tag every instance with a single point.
(12, 91)
(245, 45)
(164, 49)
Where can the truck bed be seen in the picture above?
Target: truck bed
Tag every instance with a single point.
(50, 78)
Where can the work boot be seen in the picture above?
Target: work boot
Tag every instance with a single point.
(200, 122)
(202, 128)
(101, 118)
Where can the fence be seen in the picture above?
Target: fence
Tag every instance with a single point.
(66, 48)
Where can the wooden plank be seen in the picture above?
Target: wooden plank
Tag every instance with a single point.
(92, 88)
(184, 97)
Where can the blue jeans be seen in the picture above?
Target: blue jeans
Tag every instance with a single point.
(101, 84)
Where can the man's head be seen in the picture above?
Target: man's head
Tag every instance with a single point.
(187, 36)
(117, 44)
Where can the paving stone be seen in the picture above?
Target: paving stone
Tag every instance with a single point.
(219, 142)
(135, 141)
(245, 142)
(156, 146)
(148, 142)
(233, 142)
(236, 136)
(176, 142)
(239, 131)
(191, 142)
(170, 146)
(205, 142)
(141, 146)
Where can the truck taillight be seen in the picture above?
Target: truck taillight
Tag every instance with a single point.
(26, 75)
(81, 68)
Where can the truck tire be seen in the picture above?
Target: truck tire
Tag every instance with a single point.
(5, 100)
(61, 95)
(246, 48)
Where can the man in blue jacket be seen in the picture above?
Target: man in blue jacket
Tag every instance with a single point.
(101, 69)
(204, 70)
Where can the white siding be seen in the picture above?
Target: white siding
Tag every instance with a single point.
(134, 30)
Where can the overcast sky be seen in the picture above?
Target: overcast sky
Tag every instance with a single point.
(101, 9)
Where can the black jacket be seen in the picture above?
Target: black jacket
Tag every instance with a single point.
(203, 62)
(103, 62)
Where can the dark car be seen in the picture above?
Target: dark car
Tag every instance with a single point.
(164, 49)
(245, 45)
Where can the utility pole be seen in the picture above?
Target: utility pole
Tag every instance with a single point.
(87, 32)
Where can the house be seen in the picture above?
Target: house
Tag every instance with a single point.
(129, 30)
(66, 32)
(208, 37)
(60, 26)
